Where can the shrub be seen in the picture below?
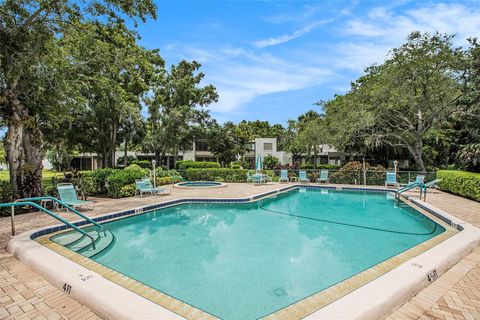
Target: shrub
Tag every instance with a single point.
(186, 164)
(352, 172)
(212, 174)
(130, 159)
(235, 165)
(133, 167)
(6, 195)
(465, 184)
(145, 164)
(161, 173)
(121, 178)
(51, 191)
(164, 180)
(306, 166)
(469, 156)
(127, 191)
(99, 179)
(245, 164)
(270, 161)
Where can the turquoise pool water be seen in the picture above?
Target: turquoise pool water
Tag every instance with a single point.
(245, 261)
(200, 184)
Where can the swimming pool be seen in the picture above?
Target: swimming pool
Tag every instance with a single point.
(245, 261)
(200, 184)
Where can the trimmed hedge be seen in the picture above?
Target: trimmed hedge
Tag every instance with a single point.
(212, 174)
(465, 184)
(320, 166)
(187, 164)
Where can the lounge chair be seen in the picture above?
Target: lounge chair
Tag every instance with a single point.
(258, 178)
(432, 184)
(302, 176)
(391, 179)
(323, 176)
(419, 180)
(68, 195)
(283, 176)
(429, 185)
(249, 177)
(144, 186)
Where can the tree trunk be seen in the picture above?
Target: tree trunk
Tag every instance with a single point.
(33, 148)
(417, 153)
(15, 157)
(125, 154)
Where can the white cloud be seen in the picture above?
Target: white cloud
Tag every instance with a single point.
(287, 37)
(370, 38)
(444, 18)
(240, 75)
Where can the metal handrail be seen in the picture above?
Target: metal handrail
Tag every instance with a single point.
(78, 213)
(35, 205)
(409, 187)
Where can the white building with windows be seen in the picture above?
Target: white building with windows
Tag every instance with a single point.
(200, 152)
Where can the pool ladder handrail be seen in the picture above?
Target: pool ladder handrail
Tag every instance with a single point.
(63, 204)
(39, 207)
(407, 188)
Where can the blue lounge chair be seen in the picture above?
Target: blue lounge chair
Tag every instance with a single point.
(258, 178)
(418, 181)
(323, 176)
(144, 186)
(302, 176)
(429, 185)
(283, 176)
(391, 179)
(432, 184)
(68, 195)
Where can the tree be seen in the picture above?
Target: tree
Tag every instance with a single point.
(398, 102)
(221, 142)
(468, 112)
(312, 136)
(115, 77)
(178, 108)
(29, 31)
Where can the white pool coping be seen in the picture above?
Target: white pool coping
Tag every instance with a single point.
(374, 300)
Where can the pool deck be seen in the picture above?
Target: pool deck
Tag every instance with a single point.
(26, 295)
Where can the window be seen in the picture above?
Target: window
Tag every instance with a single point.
(268, 146)
(250, 146)
(201, 146)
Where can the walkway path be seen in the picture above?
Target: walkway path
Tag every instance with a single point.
(24, 294)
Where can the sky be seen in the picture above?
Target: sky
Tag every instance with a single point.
(272, 60)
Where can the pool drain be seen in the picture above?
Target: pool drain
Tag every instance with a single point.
(279, 292)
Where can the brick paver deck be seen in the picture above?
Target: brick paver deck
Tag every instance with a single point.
(24, 294)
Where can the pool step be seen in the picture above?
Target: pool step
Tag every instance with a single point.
(67, 238)
(104, 242)
(82, 244)
(84, 241)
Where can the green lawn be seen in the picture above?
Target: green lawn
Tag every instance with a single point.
(4, 175)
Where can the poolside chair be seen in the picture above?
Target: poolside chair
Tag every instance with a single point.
(391, 179)
(419, 180)
(323, 176)
(144, 186)
(302, 176)
(429, 185)
(432, 184)
(249, 177)
(258, 178)
(68, 195)
(283, 176)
